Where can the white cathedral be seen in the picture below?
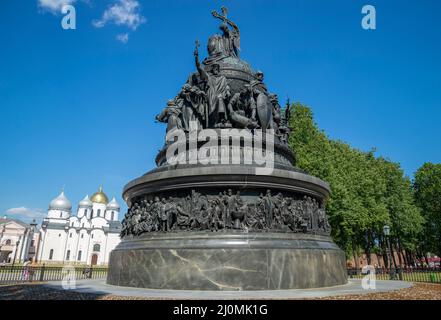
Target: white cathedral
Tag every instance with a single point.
(87, 238)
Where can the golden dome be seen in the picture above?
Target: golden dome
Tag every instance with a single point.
(100, 197)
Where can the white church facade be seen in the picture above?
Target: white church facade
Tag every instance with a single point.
(85, 238)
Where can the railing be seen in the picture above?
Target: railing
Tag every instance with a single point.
(431, 275)
(21, 274)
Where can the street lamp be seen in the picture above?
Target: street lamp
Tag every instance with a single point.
(392, 273)
(1, 240)
(15, 253)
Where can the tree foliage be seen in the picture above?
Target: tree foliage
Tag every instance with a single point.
(367, 191)
(427, 186)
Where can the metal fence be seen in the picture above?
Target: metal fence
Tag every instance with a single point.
(430, 275)
(20, 274)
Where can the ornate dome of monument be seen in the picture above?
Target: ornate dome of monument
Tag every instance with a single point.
(237, 71)
(60, 203)
(100, 197)
(85, 203)
(113, 205)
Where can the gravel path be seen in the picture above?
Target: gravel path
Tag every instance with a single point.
(420, 291)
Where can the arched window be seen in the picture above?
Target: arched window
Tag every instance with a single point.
(51, 254)
(79, 256)
(99, 212)
(112, 216)
(85, 213)
(61, 214)
(68, 255)
(96, 247)
(8, 242)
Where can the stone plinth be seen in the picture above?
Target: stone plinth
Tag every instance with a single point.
(227, 261)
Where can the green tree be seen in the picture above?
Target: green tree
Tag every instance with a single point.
(427, 188)
(367, 192)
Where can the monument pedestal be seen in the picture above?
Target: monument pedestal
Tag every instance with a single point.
(294, 251)
(227, 261)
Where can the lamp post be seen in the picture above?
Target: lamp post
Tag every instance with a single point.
(15, 252)
(1, 240)
(392, 273)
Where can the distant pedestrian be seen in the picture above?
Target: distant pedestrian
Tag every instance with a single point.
(26, 269)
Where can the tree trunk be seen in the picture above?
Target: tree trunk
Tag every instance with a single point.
(354, 253)
(367, 249)
(399, 252)
(392, 255)
(379, 259)
(384, 250)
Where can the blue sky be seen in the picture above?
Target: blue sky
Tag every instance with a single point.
(77, 106)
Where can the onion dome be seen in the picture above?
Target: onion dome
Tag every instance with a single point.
(60, 203)
(85, 203)
(113, 205)
(100, 197)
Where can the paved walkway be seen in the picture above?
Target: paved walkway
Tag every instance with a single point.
(99, 287)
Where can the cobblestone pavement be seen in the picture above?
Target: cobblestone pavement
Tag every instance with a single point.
(420, 291)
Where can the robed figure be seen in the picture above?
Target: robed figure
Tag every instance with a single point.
(226, 44)
(217, 91)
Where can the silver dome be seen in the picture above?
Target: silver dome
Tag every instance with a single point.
(60, 203)
(113, 205)
(85, 203)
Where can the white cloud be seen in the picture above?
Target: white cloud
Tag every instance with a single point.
(53, 6)
(25, 213)
(123, 37)
(122, 13)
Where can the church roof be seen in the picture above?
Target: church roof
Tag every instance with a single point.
(61, 203)
(21, 223)
(100, 197)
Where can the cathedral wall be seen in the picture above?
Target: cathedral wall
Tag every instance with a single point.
(113, 240)
(54, 241)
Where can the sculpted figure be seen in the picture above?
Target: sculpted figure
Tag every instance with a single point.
(277, 213)
(231, 205)
(314, 215)
(323, 223)
(215, 215)
(192, 103)
(257, 84)
(242, 108)
(125, 225)
(239, 216)
(155, 213)
(171, 116)
(277, 111)
(263, 104)
(136, 217)
(203, 218)
(217, 92)
(182, 216)
(309, 212)
(237, 209)
(228, 43)
(282, 126)
(163, 215)
(171, 210)
(269, 209)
